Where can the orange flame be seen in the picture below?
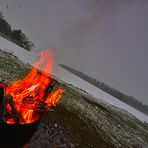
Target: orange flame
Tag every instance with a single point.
(29, 94)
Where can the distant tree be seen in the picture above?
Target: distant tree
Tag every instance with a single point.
(5, 28)
(25, 42)
(16, 36)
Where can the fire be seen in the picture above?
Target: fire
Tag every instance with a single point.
(30, 95)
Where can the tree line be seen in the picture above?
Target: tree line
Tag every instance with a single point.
(14, 35)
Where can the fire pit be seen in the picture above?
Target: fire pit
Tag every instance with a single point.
(24, 101)
(13, 135)
(16, 135)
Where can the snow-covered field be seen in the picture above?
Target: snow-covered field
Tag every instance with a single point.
(24, 55)
(98, 93)
(70, 78)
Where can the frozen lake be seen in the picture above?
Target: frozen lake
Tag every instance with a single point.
(70, 78)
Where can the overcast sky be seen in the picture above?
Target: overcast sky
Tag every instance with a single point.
(106, 39)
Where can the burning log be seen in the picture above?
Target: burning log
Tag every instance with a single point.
(48, 90)
(15, 114)
(43, 109)
(40, 105)
(2, 105)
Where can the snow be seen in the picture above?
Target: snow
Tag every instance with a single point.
(23, 54)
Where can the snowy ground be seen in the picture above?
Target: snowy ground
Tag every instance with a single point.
(98, 93)
(70, 78)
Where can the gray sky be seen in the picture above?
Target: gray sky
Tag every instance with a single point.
(105, 39)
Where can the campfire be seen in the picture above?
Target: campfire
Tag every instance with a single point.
(26, 100)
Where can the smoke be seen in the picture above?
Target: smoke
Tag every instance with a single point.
(74, 31)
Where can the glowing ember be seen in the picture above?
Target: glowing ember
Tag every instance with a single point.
(29, 95)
